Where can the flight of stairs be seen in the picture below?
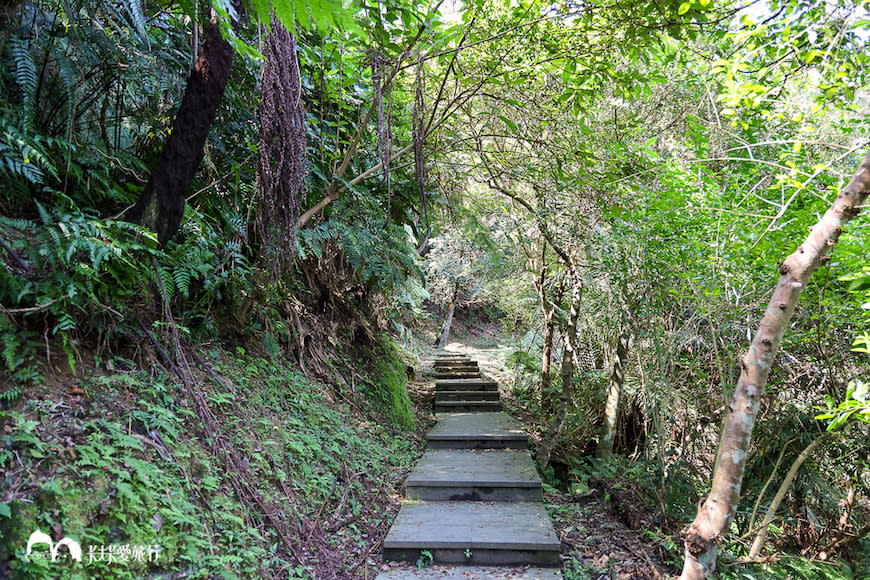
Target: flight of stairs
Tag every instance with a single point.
(459, 386)
(475, 496)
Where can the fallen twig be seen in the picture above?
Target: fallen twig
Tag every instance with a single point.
(36, 308)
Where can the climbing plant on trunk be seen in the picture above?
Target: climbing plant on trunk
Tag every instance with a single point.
(282, 149)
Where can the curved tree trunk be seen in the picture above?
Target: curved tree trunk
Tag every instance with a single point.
(448, 320)
(161, 205)
(717, 511)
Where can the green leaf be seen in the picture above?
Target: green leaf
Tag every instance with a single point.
(684, 7)
(5, 510)
(509, 123)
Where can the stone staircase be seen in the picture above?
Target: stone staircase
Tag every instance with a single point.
(459, 387)
(474, 497)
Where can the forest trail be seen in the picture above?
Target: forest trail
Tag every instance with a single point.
(475, 496)
(594, 540)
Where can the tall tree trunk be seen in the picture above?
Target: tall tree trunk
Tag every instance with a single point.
(548, 310)
(161, 205)
(718, 509)
(566, 372)
(281, 150)
(614, 393)
(449, 318)
(547, 351)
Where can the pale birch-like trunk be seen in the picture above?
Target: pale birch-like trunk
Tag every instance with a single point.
(614, 395)
(547, 351)
(717, 511)
(448, 319)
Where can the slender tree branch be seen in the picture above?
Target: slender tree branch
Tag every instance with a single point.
(24, 265)
(36, 308)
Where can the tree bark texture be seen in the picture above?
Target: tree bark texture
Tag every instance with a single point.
(548, 310)
(160, 208)
(547, 352)
(614, 394)
(714, 517)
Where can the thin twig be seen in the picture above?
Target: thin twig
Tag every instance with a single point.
(36, 308)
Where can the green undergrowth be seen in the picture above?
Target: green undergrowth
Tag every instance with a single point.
(636, 493)
(390, 384)
(127, 469)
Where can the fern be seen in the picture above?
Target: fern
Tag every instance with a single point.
(137, 18)
(25, 155)
(67, 73)
(25, 77)
(182, 277)
(11, 346)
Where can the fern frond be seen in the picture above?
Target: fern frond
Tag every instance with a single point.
(168, 282)
(67, 72)
(137, 18)
(182, 277)
(25, 77)
(11, 344)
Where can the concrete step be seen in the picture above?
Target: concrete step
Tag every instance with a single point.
(465, 385)
(463, 368)
(467, 532)
(467, 406)
(466, 395)
(456, 363)
(476, 431)
(457, 375)
(451, 572)
(468, 475)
